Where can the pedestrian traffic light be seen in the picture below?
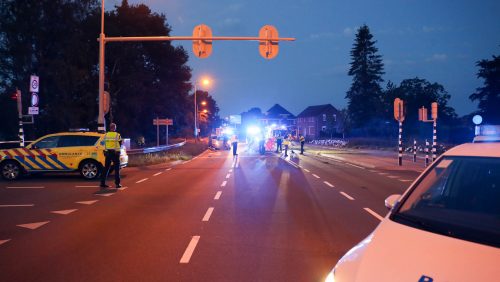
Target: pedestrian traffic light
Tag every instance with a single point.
(434, 112)
(14, 96)
(399, 110)
(268, 48)
(202, 48)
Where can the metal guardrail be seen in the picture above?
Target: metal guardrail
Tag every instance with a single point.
(155, 149)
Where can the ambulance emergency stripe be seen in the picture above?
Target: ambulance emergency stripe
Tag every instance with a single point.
(21, 160)
(42, 156)
(8, 154)
(33, 160)
(29, 153)
(54, 158)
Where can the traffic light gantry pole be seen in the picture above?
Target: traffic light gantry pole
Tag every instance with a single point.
(202, 47)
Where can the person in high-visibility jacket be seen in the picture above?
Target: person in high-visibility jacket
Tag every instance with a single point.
(302, 142)
(286, 143)
(112, 145)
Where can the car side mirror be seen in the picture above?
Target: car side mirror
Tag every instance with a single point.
(391, 201)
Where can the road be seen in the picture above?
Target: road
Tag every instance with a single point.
(213, 218)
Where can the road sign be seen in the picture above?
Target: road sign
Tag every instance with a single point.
(434, 112)
(164, 121)
(202, 48)
(33, 110)
(34, 83)
(268, 49)
(34, 100)
(399, 110)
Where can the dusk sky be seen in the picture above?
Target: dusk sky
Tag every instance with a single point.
(440, 41)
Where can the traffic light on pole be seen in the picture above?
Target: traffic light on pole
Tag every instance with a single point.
(16, 95)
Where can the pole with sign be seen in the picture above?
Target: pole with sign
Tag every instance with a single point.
(422, 116)
(34, 86)
(400, 117)
(158, 122)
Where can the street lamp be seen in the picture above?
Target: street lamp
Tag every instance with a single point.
(204, 82)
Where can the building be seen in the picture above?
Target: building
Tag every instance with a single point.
(321, 121)
(280, 117)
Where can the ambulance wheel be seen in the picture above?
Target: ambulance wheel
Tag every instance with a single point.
(90, 169)
(11, 170)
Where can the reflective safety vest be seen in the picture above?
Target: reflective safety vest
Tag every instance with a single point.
(286, 142)
(112, 140)
(302, 139)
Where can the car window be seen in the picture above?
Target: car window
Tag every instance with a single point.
(46, 143)
(77, 141)
(459, 197)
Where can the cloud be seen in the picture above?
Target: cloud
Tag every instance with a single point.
(348, 31)
(322, 35)
(437, 58)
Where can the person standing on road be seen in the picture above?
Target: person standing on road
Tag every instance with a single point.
(286, 143)
(112, 145)
(279, 141)
(234, 144)
(302, 142)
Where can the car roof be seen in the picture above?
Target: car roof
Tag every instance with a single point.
(475, 150)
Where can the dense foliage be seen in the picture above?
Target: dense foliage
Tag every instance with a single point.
(488, 96)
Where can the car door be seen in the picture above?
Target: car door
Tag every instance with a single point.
(72, 149)
(42, 155)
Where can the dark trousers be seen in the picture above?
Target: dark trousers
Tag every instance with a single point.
(235, 148)
(286, 150)
(302, 147)
(112, 156)
(278, 146)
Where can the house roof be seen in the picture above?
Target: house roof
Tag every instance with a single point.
(277, 111)
(313, 111)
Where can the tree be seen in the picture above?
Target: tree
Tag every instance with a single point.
(209, 120)
(367, 70)
(488, 96)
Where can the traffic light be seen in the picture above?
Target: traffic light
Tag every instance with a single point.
(14, 96)
(202, 48)
(268, 48)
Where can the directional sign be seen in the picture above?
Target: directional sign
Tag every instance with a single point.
(34, 83)
(33, 110)
(34, 100)
(164, 121)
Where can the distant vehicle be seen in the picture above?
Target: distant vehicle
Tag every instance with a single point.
(488, 133)
(219, 142)
(445, 227)
(60, 152)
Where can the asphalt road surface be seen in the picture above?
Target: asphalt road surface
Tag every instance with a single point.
(214, 218)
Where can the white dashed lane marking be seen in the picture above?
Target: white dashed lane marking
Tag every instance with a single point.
(347, 196)
(316, 176)
(190, 249)
(217, 196)
(33, 225)
(355, 165)
(17, 206)
(87, 186)
(223, 184)
(376, 215)
(306, 170)
(158, 173)
(25, 187)
(4, 241)
(392, 176)
(168, 169)
(328, 183)
(228, 175)
(208, 214)
(63, 212)
(87, 202)
(142, 180)
(405, 180)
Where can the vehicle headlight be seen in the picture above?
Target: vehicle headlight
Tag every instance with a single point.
(330, 277)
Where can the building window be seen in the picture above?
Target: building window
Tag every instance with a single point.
(334, 118)
(324, 117)
(311, 130)
(311, 119)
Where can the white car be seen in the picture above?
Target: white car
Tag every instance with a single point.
(445, 227)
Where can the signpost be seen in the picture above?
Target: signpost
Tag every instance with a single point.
(399, 115)
(422, 116)
(158, 122)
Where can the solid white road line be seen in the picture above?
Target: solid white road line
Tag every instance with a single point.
(63, 212)
(208, 214)
(87, 186)
(223, 183)
(190, 249)
(187, 161)
(306, 170)
(355, 165)
(316, 176)
(217, 196)
(25, 187)
(142, 180)
(87, 202)
(16, 206)
(347, 196)
(228, 175)
(156, 174)
(33, 225)
(376, 215)
(4, 241)
(328, 183)
(293, 164)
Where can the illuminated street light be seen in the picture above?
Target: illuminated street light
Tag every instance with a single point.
(204, 82)
(203, 103)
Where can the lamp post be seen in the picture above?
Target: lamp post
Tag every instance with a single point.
(205, 82)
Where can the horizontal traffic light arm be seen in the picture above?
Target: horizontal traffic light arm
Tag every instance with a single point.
(171, 38)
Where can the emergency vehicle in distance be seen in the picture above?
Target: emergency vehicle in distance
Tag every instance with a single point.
(80, 151)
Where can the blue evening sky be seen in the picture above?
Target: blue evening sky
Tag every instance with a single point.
(436, 40)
